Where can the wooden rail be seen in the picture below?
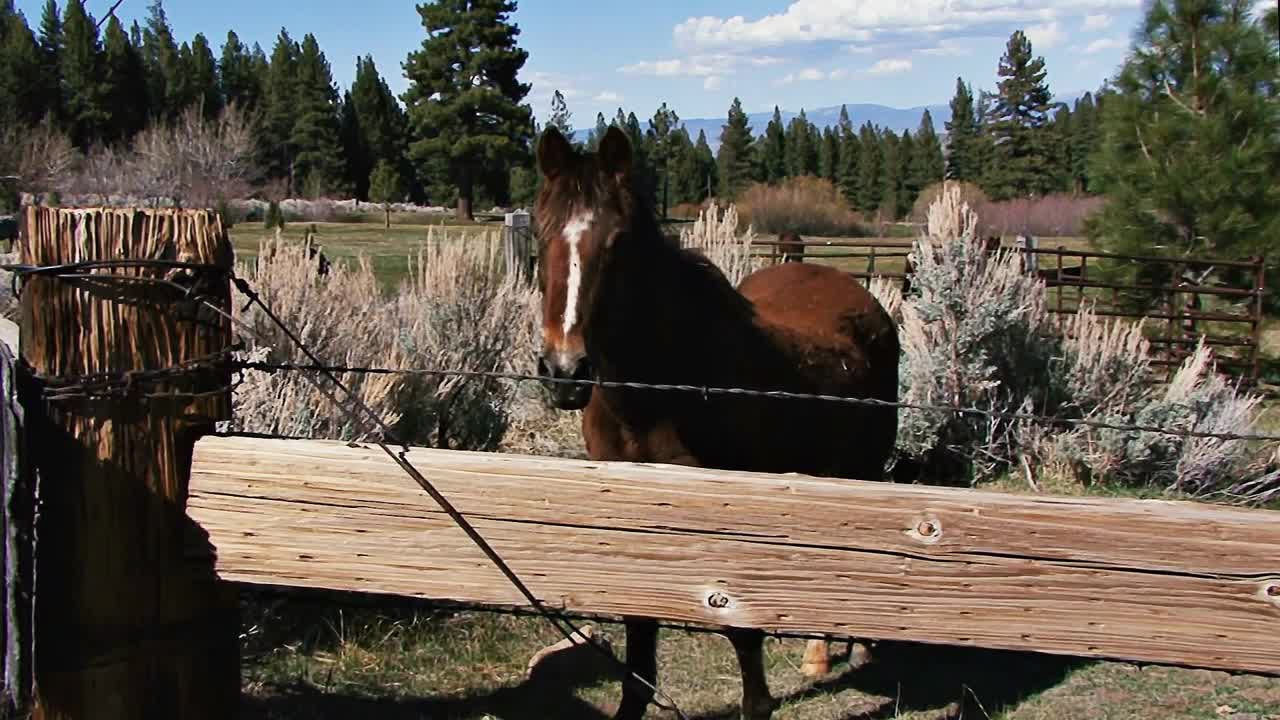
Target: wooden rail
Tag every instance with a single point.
(1149, 581)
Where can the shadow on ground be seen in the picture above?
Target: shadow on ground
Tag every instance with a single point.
(941, 682)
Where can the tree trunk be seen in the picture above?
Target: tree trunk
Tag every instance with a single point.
(466, 193)
(386, 209)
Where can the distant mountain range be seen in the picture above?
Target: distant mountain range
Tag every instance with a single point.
(896, 119)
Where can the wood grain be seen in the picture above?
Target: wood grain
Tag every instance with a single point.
(1149, 581)
(125, 627)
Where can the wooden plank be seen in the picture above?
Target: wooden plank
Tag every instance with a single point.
(126, 627)
(1150, 581)
(17, 515)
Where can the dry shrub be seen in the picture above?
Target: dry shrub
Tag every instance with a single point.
(459, 310)
(805, 205)
(688, 211)
(715, 236)
(41, 156)
(975, 334)
(1058, 215)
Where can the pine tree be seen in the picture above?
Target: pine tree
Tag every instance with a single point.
(596, 135)
(829, 155)
(84, 97)
(318, 161)
(891, 175)
(240, 83)
(705, 162)
(686, 181)
(850, 153)
(202, 77)
(907, 187)
(125, 79)
(663, 139)
(51, 42)
(464, 95)
(870, 168)
(927, 163)
(1084, 142)
(733, 161)
(561, 119)
(964, 161)
(21, 99)
(802, 148)
(166, 78)
(276, 126)
(374, 127)
(1191, 138)
(774, 150)
(1023, 147)
(386, 187)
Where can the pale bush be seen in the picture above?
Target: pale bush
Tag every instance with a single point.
(969, 338)
(976, 334)
(715, 235)
(457, 311)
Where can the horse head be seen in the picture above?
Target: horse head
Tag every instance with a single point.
(583, 213)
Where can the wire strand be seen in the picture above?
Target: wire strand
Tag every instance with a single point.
(767, 394)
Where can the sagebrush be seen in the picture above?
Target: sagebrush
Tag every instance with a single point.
(976, 334)
(458, 310)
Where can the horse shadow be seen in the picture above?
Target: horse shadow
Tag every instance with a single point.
(904, 678)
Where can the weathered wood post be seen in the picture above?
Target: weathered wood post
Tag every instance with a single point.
(127, 626)
(17, 513)
(517, 236)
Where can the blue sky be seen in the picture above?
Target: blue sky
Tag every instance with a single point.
(697, 56)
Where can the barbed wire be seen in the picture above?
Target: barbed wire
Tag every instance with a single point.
(362, 413)
(707, 391)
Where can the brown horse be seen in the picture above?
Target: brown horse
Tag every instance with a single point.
(790, 247)
(621, 302)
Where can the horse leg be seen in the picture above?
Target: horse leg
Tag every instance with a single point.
(757, 703)
(642, 659)
(817, 658)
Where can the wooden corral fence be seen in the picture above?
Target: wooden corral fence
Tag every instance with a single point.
(148, 522)
(1179, 305)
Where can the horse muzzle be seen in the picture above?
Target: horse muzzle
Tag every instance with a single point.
(566, 378)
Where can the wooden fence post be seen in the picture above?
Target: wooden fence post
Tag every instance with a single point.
(127, 626)
(17, 513)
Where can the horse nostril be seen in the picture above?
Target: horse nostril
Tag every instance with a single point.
(583, 370)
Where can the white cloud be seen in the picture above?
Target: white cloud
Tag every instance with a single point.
(1093, 23)
(698, 65)
(889, 66)
(1104, 44)
(859, 49)
(787, 79)
(811, 74)
(840, 74)
(859, 21)
(608, 96)
(1045, 35)
(946, 48)
(713, 82)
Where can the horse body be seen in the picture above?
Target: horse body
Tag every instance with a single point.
(797, 328)
(621, 302)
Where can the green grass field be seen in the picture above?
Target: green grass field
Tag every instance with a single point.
(305, 659)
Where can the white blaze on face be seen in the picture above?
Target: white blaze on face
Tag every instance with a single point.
(573, 231)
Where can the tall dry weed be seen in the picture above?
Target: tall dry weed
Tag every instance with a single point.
(803, 205)
(715, 235)
(458, 311)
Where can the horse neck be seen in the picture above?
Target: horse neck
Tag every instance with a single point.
(666, 317)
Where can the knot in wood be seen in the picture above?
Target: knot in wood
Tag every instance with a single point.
(718, 600)
(927, 529)
(1273, 591)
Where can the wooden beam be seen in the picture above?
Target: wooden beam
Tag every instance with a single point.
(125, 627)
(1150, 581)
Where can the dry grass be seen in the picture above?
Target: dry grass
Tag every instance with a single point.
(458, 310)
(715, 235)
(804, 205)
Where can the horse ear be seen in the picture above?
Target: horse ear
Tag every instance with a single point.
(554, 152)
(615, 152)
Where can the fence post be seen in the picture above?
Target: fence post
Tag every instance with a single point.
(517, 238)
(127, 625)
(17, 513)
